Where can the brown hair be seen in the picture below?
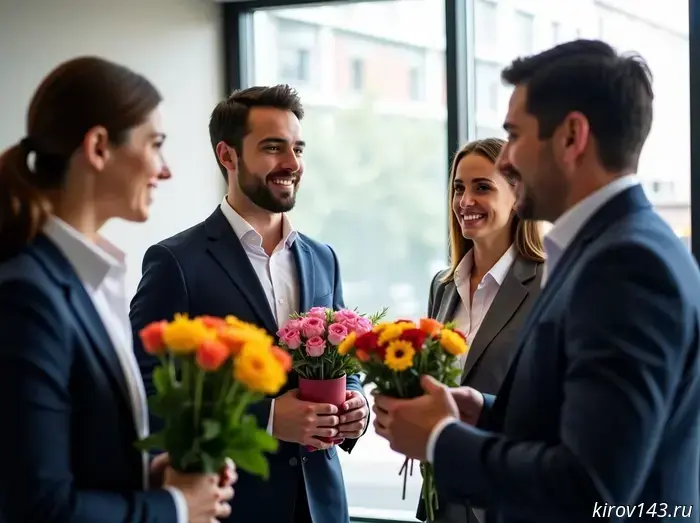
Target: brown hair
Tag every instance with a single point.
(526, 234)
(229, 119)
(75, 97)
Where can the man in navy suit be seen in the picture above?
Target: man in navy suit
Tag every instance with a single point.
(247, 260)
(600, 414)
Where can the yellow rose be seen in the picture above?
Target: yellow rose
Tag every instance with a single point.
(183, 335)
(259, 370)
(452, 342)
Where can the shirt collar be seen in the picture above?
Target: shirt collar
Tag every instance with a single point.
(247, 234)
(570, 223)
(497, 273)
(92, 261)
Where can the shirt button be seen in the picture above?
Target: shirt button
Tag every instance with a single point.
(293, 462)
(304, 459)
(280, 300)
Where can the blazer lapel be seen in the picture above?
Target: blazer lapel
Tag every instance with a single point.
(228, 251)
(507, 301)
(305, 269)
(85, 312)
(448, 303)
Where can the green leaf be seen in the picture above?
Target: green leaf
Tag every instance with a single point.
(154, 441)
(251, 461)
(212, 428)
(265, 441)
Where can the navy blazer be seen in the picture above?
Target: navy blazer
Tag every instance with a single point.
(602, 406)
(205, 270)
(69, 433)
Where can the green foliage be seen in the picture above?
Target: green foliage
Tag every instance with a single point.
(205, 421)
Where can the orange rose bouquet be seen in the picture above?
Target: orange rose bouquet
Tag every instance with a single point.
(211, 370)
(394, 356)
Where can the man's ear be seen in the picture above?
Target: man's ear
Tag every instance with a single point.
(227, 156)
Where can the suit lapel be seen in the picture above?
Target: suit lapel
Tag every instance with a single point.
(88, 318)
(305, 269)
(448, 303)
(228, 251)
(507, 301)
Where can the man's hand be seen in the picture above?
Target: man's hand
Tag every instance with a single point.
(470, 403)
(303, 422)
(156, 471)
(407, 424)
(354, 417)
(206, 500)
(228, 475)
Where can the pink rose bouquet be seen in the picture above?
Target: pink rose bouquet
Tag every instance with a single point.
(313, 338)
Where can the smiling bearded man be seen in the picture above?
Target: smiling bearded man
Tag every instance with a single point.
(248, 261)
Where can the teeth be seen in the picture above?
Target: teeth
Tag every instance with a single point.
(285, 182)
(472, 217)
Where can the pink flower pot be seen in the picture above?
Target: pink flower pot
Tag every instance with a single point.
(323, 391)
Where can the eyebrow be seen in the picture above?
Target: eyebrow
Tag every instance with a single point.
(281, 141)
(162, 136)
(508, 126)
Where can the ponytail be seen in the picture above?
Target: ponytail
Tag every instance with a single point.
(23, 206)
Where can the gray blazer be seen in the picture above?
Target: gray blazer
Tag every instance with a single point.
(492, 350)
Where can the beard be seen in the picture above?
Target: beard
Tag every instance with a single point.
(260, 194)
(543, 197)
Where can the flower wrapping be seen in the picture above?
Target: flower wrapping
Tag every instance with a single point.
(212, 369)
(394, 355)
(312, 339)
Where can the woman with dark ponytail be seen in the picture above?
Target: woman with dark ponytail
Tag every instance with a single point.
(71, 396)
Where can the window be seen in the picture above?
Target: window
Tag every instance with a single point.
(656, 31)
(364, 191)
(556, 33)
(486, 28)
(295, 41)
(415, 84)
(357, 74)
(524, 33)
(487, 79)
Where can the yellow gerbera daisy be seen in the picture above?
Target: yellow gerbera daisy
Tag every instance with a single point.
(452, 342)
(399, 355)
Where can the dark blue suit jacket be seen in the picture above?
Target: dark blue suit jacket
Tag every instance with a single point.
(205, 270)
(603, 404)
(69, 434)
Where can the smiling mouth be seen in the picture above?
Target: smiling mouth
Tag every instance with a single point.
(471, 219)
(283, 181)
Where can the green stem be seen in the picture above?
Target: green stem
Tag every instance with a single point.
(186, 374)
(242, 404)
(232, 392)
(198, 391)
(397, 382)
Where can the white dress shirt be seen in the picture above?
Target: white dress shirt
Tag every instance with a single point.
(556, 241)
(277, 273)
(471, 313)
(101, 268)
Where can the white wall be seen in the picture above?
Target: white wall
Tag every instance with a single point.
(177, 44)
